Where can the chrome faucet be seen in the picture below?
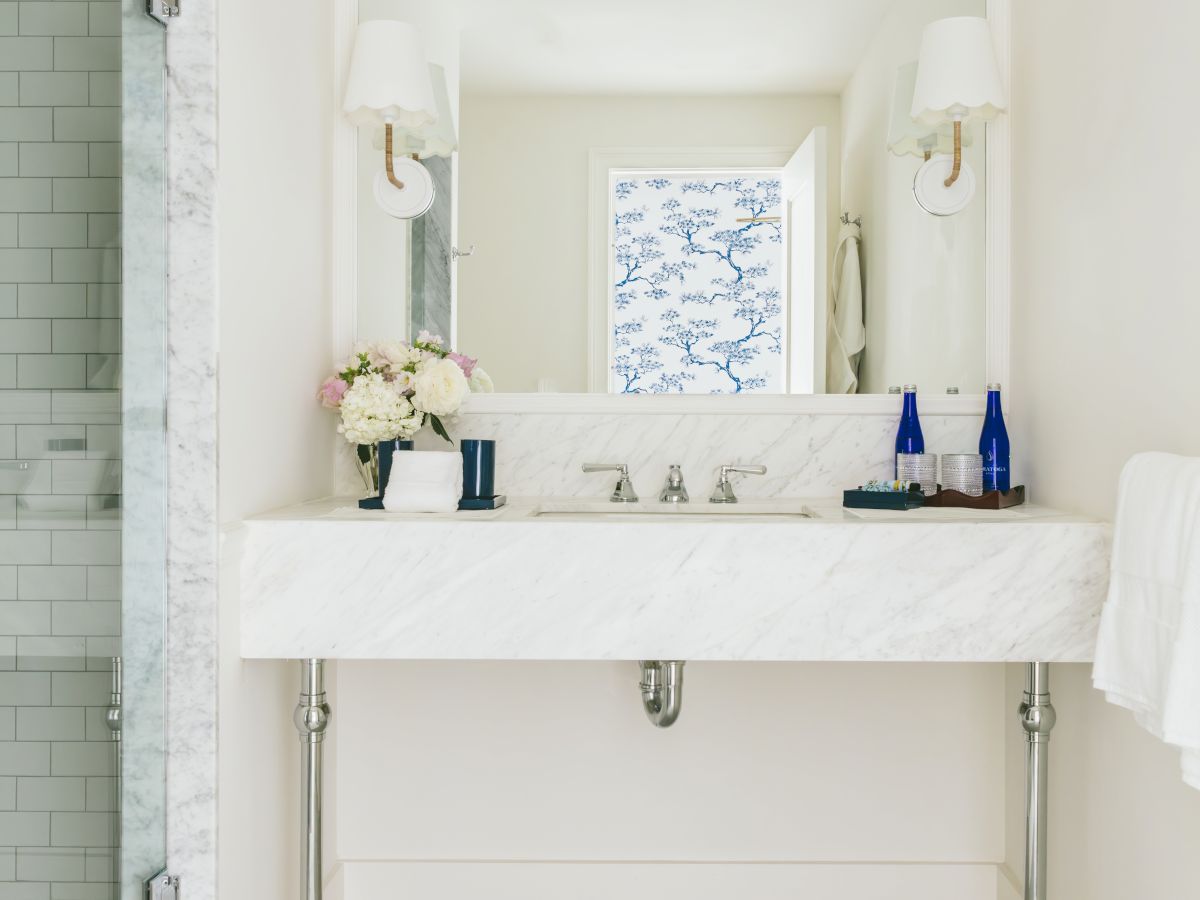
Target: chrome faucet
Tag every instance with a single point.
(623, 492)
(723, 492)
(674, 491)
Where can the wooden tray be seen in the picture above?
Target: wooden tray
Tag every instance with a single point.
(990, 500)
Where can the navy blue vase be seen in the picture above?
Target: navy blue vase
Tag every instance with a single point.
(386, 449)
(993, 444)
(908, 436)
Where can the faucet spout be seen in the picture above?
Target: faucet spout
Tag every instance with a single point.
(674, 491)
(662, 690)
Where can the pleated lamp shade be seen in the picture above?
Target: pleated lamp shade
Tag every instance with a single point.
(957, 75)
(389, 77)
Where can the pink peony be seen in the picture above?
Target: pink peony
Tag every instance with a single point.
(331, 392)
(464, 362)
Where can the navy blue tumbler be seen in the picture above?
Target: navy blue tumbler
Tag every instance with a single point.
(479, 469)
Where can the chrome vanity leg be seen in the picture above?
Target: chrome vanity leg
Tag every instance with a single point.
(1037, 718)
(311, 718)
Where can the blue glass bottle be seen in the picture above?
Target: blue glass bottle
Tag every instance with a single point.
(908, 436)
(993, 444)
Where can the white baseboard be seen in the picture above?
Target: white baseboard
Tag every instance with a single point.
(666, 881)
(1008, 886)
(335, 884)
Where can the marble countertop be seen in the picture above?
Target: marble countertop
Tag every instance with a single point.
(794, 579)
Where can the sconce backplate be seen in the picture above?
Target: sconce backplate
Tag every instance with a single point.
(414, 199)
(931, 193)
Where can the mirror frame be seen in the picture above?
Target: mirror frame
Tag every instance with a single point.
(997, 269)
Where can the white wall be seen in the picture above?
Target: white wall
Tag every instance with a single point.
(486, 760)
(275, 441)
(523, 168)
(1104, 336)
(792, 775)
(923, 276)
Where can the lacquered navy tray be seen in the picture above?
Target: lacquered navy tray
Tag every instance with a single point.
(860, 499)
(478, 503)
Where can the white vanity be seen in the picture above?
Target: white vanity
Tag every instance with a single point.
(581, 579)
(571, 579)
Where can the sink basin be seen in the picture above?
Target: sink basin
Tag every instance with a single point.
(696, 511)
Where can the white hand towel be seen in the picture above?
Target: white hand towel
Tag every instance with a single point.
(424, 481)
(846, 334)
(1148, 653)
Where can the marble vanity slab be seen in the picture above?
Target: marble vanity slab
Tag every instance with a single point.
(773, 580)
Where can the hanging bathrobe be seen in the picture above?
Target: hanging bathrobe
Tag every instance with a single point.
(847, 336)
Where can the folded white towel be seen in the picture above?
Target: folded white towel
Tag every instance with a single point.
(424, 481)
(1148, 653)
(431, 466)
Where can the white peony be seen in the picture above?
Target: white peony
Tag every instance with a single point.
(392, 355)
(480, 382)
(439, 387)
(373, 411)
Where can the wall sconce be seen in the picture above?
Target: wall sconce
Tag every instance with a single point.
(390, 86)
(437, 138)
(906, 136)
(957, 81)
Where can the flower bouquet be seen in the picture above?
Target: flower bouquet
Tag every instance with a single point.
(388, 391)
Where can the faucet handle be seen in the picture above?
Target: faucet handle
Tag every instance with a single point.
(723, 492)
(623, 492)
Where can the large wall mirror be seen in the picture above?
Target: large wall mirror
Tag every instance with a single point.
(681, 198)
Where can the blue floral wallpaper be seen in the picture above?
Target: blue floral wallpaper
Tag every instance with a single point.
(697, 295)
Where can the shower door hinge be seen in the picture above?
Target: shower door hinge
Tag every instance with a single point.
(163, 887)
(162, 9)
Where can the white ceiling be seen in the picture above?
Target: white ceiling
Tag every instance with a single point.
(664, 46)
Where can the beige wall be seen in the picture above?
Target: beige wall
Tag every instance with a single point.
(923, 275)
(1105, 313)
(523, 168)
(275, 441)
(1105, 326)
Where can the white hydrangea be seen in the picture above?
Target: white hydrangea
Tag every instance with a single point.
(373, 411)
(439, 387)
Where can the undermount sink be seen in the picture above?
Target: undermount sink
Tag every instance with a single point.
(702, 511)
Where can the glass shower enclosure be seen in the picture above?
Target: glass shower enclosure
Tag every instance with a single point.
(82, 449)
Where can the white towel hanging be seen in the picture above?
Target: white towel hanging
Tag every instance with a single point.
(1148, 652)
(847, 336)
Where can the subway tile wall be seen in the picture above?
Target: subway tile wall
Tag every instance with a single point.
(60, 467)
